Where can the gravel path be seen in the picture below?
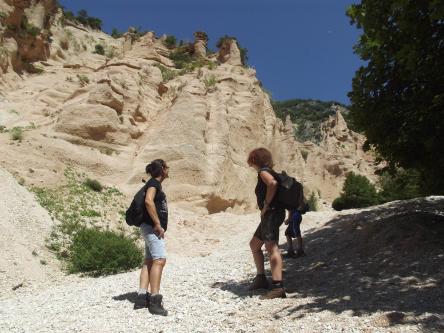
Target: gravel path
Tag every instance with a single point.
(204, 292)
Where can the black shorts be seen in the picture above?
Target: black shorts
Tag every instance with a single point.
(268, 229)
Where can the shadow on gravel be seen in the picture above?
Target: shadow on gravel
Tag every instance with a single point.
(126, 297)
(389, 258)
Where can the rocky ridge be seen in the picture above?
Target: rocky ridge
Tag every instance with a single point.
(132, 104)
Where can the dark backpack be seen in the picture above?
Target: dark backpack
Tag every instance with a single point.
(136, 214)
(290, 193)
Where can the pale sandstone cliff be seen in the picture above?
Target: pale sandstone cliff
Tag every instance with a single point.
(110, 115)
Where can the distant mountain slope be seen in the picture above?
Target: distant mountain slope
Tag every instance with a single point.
(308, 114)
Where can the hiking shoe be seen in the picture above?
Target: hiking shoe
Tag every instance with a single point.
(259, 282)
(299, 253)
(156, 306)
(274, 293)
(289, 254)
(142, 301)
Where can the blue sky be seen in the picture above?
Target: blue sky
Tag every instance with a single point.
(300, 48)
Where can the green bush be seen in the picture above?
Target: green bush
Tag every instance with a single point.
(99, 49)
(357, 192)
(313, 202)
(93, 184)
(400, 185)
(116, 33)
(17, 133)
(181, 57)
(29, 28)
(170, 42)
(83, 79)
(210, 82)
(95, 252)
(167, 74)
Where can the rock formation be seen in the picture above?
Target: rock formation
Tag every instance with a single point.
(200, 44)
(229, 52)
(134, 105)
(24, 32)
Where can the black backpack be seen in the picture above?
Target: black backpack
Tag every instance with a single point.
(136, 214)
(290, 193)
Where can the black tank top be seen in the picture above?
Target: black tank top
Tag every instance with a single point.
(261, 189)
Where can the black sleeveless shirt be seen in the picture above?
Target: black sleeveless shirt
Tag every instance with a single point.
(261, 189)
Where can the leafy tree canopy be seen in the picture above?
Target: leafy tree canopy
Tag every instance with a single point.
(398, 96)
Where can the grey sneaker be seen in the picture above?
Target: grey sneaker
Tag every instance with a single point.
(142, 301)
(156, 306)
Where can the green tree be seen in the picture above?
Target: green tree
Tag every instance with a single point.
(399, 185)
(398, 95)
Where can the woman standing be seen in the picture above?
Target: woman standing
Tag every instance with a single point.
(272, 217)
(153, 230)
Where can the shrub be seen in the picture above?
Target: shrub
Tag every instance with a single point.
(304, 154)
(313, 202)
(99, 49)
(167, 74)
(83, 79)
(210, 82)
(93, 184)
(400, 185)
(181, 57)
(170, 41)
(17, 133)
(95, 252)
(29, 28)
(116, 33)
(357, 192)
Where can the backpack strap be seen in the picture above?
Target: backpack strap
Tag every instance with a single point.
(270, 171)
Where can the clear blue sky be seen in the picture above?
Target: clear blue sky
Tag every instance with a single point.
(300, 48)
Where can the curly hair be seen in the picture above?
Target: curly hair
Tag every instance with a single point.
(261, 157)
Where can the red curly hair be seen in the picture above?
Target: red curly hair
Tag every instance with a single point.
(260, 157)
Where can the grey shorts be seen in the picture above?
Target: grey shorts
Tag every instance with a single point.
(154, 246)
(268, 229)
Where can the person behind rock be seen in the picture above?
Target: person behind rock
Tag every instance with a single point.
(272, 217)
(153, 231)
(294, 231)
